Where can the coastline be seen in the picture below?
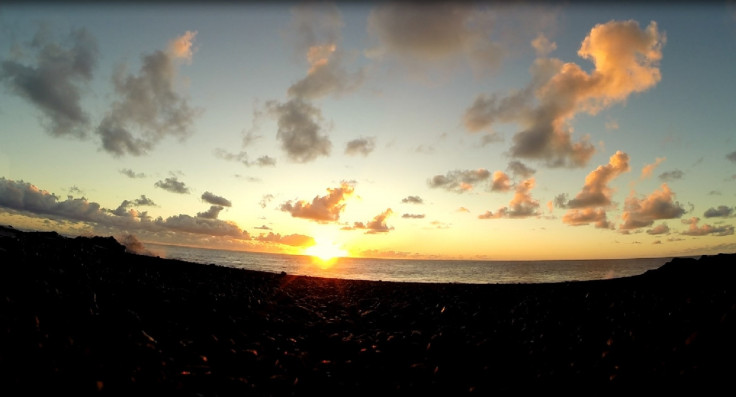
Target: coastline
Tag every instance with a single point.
(83, 315)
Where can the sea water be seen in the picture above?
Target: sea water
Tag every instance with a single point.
(413, 270)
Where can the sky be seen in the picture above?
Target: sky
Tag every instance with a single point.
(461, 130)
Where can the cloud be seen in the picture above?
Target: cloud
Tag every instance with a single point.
(242, 157)
(294, 240)
(216, 200)
(361, 146)
(413, 216)
(705, 230)
(459, 181)
(124, 207)
(181, 47)
(299, 131)
(500, 182)
(671, 175)
(378, 224)
(643, 212)
(131, 174)
(543, 46)
(522, 205)
(596, 192)
(519, 169)
(721, 212)
(412, 200)
(173, 185)
(731, 156)
(322, 208)
(148, 102)
(30, 200)
(265, 200)
(326, 75)
(646, 172)
(428, 34)
(626, 61)
(584, 216)
(211, 213)
(659, 229)
(53, 83)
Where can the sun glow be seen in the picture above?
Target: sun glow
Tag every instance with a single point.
(326, 252)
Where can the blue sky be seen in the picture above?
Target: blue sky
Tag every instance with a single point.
(459, 130)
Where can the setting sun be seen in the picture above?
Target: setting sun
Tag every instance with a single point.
(326, 251)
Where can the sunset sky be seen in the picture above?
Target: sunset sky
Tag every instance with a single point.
(458, 131)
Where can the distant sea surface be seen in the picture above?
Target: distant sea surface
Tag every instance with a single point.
(413, 270)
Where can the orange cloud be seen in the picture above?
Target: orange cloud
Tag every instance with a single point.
(646, 172)
(500, 182)
(626, 61)
(584, 216)
(643, 212)
(704, 230)
(294, 240)
(596, 192)
(522, 205)
(322, 208)
(181, 47)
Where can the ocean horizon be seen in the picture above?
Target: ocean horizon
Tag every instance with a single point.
(417, 270)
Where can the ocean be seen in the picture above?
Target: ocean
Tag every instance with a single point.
(413, 270)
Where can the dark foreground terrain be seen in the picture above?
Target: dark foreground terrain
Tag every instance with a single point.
(82, 315)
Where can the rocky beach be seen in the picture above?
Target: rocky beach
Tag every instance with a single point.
(86, 316)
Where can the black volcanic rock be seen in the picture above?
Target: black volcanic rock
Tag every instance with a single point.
(83, 316)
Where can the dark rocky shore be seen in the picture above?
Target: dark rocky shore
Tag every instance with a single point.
(82, 315)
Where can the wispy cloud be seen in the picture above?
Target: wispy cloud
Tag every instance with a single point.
(53, 82)
(362, 146)
(294, 240)
(671, 175)
(646, 172)
(412, 200)
(459, 181)
(132, 174)
(522, 205)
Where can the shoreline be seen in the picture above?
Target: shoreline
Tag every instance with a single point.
(84, 316)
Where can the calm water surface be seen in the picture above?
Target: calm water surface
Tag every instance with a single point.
(429, 271)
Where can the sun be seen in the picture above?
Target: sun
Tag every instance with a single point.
(326, 252)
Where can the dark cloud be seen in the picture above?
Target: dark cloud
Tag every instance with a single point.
(322, 208)
(363, 146)
(30, 200)
(520, 170)
(294, 240)
(376, 225)
(626, 60)
(299, 131)
(216, 200)
(721, 212)
(265, 161)
(731, 156)
(131, 174)
(262, 227)
(211, 213)
(125, 207)
(173, 185)
(147, 108)
(326, 75)
(422, 34)
(671, 175)
(52, 83)
(412, 200)
(459, 181)
(489, 138)
(413, 216)
(640, 213)
(695, 230)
